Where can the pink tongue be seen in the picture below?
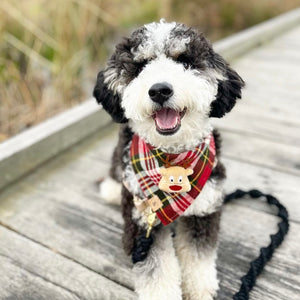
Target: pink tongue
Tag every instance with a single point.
(167, 118)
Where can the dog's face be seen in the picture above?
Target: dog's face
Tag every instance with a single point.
(166, 82)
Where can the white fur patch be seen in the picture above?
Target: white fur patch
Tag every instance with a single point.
(198, 270)
(156, 35)
(110, 190)
(192, 90)
(113, 81)
(208, 201)
(158, 277)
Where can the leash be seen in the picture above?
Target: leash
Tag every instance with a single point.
(257, 265)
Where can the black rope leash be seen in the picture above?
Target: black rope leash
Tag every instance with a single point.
(258, 264)
(143, 245)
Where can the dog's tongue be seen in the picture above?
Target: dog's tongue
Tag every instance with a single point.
(167, 118)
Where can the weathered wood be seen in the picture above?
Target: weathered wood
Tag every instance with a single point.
(243, 232)
(270, 107)
(24, 152)
(258, 124)
(88, 233)
(60, 201)
(248, 176)
(241, 237)
(261, 152)
(31, 271)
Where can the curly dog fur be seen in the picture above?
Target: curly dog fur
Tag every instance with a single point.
(170, 67)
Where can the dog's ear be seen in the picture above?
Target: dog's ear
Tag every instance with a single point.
(110, 100)
(229, 88)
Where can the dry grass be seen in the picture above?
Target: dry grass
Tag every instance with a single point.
(45, 57)
(51, 50)
(220, 18)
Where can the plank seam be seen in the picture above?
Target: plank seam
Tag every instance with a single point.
(60, 253)
(253, 134)
(253, 163)
(16, 263)
(117, 230)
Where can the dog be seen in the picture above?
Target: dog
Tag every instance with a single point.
(164, 84)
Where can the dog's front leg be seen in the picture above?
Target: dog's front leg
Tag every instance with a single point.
(158, 276)
(196, 247)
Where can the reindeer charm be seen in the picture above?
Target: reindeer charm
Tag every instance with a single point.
(175, 179)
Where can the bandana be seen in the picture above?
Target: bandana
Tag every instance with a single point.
(147, 162)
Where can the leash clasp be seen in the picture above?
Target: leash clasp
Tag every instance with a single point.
(151, 219)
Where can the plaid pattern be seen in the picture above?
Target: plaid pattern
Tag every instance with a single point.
(146, 161)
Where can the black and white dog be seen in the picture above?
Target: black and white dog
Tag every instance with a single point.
(164, 83)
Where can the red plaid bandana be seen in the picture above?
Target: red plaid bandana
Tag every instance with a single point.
(147, 161)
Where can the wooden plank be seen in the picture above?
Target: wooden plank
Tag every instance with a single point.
(243, 232)
(58, 206)
(30, 271)
(262, 152)
(246, 176)
(258, 124)
(270, 107)
(24, 152)
(88, 233)
(16, 283)
(86, 229)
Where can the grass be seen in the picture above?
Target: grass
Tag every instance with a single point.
(50, 51)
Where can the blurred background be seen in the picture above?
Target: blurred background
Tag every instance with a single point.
(51, 51)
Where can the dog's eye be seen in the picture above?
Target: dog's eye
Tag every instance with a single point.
(180, 179)
(171, 179)
(185, 60)
(140, 66)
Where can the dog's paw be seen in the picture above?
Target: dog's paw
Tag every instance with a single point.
(209, 296)
(202, 284)
(110, 191)
(204, 295)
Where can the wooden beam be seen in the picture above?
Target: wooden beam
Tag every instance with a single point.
(24, 152)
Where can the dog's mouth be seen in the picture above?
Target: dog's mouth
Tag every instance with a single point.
(175, 187)
(168, 120)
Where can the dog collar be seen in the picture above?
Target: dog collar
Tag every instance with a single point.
(171, 182)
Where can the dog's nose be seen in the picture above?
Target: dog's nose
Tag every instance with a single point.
(161, 92)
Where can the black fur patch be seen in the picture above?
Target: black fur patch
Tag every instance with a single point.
(229, 90)
(219, 171)
(200, 55)
(126, 69)
(122, 59)
(117, 161)
(111, 102)
(198, 50)
(202, 231)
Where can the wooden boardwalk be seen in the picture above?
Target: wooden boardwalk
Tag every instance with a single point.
(58, 240)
